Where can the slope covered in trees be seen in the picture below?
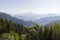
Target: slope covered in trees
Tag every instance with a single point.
(13, 31)
(15, 20)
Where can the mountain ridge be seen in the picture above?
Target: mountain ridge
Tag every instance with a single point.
(47, 20)
(15, 20)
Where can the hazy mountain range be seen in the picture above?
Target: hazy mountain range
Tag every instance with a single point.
(15, 20)
(31, 18)
(28, 16)
(37, 18)
(47, 20)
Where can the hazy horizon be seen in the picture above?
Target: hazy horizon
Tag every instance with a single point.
(43, 7)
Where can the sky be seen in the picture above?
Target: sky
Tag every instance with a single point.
(15, 7)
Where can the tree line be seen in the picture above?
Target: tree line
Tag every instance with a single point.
(15, 31)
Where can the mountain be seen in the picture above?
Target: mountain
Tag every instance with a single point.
(38, 18)
(28, 16)
(15, 20)
(47, 20)
(33, 16)
(49, 24)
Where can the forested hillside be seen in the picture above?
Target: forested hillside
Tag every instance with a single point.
(13, 31)
(15, 20)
